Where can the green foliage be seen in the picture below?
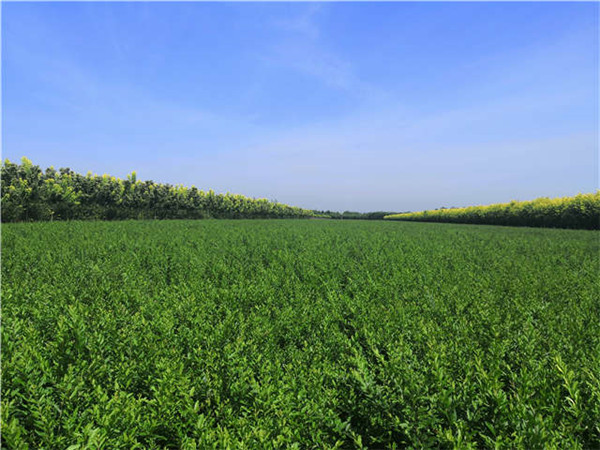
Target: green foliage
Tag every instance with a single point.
(298, 334)
(581, 211)
(29, 194)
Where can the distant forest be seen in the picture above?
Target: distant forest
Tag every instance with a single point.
(376, 215)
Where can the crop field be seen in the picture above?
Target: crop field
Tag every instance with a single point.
(299, 334)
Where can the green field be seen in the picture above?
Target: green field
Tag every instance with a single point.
(299, 334)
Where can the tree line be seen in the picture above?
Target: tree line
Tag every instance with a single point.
(353, 215)
(580, 211)
(32, 194)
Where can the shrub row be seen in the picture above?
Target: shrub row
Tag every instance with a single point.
(31, 194)
(580, 211)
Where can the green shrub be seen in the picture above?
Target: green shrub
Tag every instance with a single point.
(581, 211)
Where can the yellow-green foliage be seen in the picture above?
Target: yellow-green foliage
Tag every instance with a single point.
(30, 194)
(580, 211)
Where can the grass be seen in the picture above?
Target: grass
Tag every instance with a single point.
(299, 334)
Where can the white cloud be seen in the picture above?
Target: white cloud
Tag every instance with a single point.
(304, 50)
(304, 23)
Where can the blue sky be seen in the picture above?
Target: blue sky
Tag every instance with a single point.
(342, 106)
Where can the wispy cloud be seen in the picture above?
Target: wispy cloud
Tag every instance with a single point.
(303, 23)
(304, 50)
